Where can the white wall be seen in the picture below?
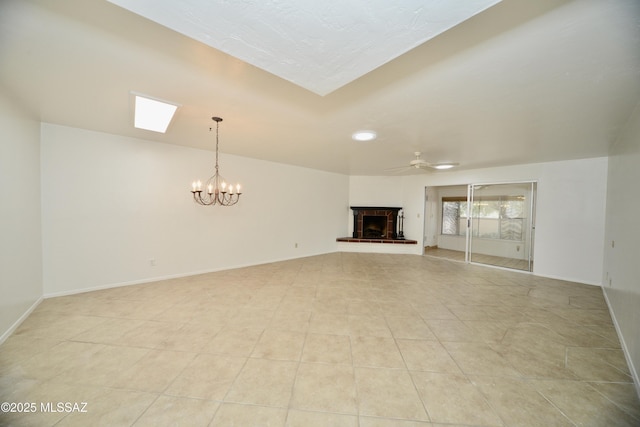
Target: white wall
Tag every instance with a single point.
(386, 191)
(20, 244)
(111, 204)
(622, 266)
(381, 191)
(570, 213)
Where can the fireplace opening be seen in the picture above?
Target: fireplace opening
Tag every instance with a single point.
(374, 226)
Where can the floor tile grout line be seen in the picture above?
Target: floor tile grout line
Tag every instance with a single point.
(246, 361)
(622, 408)
(415, 387)
(355, 380)
(401, 283)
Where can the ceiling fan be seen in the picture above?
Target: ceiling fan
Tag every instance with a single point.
(420, 163)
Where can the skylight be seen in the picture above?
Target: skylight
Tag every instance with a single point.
(153, 115)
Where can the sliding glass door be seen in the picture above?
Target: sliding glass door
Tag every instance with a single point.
(500, 224)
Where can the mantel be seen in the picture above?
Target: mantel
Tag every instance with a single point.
(392, 241)
(374, 208)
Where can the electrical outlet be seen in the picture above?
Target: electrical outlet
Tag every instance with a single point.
(152, 262)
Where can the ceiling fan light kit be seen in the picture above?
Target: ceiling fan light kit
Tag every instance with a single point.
(364, 135)
(443, 166)
(420, 163)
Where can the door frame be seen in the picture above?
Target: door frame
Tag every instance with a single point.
(468, 233)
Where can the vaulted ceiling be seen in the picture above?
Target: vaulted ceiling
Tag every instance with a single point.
(506, 82)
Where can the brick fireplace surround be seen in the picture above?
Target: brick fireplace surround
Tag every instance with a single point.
(375, 225)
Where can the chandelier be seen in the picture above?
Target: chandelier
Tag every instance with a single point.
(216, 191)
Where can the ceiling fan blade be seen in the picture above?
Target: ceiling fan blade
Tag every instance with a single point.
(398, 168)
(407, 170)
(421, 165)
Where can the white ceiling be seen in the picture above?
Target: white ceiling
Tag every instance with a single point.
(319, 45)
(523, 81)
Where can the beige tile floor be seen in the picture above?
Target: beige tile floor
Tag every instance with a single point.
(343, 339)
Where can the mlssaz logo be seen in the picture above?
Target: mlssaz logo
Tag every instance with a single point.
(63, 407)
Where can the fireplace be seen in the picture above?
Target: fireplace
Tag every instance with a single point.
(375, 222)
(374, 226)
(378, 225)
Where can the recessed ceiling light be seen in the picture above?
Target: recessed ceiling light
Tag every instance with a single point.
(154, 115)
(364, 135)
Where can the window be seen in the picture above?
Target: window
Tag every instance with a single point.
(496, 217)
(454, 215)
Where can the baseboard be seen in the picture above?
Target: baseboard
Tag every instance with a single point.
(18, 322)
(566, 279)
(122, 284)
(625, 349)
(6, 334)
(169, 277)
